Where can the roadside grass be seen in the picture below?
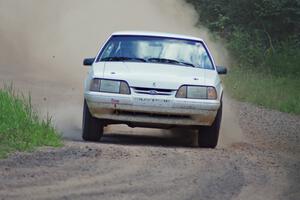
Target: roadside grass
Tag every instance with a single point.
(264, 89)
(20, 127)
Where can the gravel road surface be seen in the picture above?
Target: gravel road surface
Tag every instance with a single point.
(257, 158)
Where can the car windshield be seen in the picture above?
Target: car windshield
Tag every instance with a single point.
(188, 53)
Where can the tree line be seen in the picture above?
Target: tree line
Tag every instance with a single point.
(261, 34)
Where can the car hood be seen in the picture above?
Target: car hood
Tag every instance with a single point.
(155, 75)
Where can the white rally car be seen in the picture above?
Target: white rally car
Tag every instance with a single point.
(156, 80)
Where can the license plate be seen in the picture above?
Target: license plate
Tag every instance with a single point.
(152, 102)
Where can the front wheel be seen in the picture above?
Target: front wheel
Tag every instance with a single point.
(208, 135)
(92, 128)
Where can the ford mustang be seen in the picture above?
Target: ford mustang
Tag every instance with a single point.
(156, 80)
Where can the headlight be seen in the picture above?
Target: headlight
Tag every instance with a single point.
(211, 93)
(95, 85)
(197, 92)
(124, 88)
(182, 92)
(109, 86)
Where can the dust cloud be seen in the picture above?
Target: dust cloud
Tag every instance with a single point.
(43, 43)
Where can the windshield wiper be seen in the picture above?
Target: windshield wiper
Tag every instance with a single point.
(171, 61)
(187, 64)
(123, 59)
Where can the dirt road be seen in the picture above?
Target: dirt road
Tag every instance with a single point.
(151, 165)
(42, 47)
(257, 159)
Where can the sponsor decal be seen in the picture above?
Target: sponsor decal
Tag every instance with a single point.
(115, 101)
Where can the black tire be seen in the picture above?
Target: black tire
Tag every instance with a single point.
(92, 128)
(208, 136)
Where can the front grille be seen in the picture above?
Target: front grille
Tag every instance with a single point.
(153, 91)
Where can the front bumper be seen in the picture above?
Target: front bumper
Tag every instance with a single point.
(151, 109)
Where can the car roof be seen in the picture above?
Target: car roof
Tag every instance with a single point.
(157, 34)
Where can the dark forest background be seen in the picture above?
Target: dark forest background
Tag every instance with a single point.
(263, 38)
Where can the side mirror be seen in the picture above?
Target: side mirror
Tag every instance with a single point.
(221, 70)
(88, 61)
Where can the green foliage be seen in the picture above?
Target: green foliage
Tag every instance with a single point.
(252, 28)
(281, 93)
(278, 18)
(263, 36)
(20, 127)
(284, 62)
(247, 49)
